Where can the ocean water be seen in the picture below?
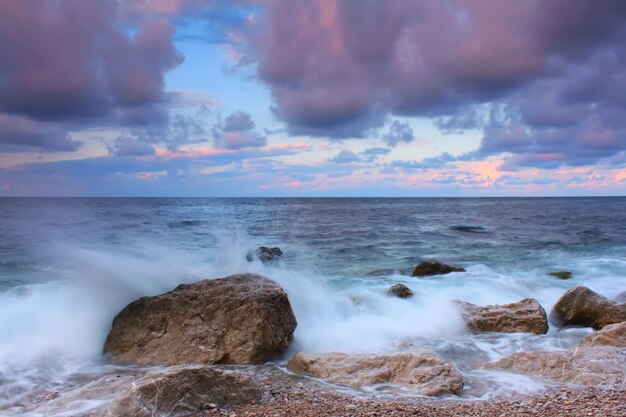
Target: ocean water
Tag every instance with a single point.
(68, 265)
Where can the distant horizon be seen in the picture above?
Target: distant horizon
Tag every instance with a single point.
(312, 98)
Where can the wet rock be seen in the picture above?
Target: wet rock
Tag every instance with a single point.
(400, 291)
(182, 391)
(525, 316)
(422, 371)
(561, 274)
(588, 365)
(583, 307)
(611, 335)
(265, 254)
(428, 268)
(241, 319)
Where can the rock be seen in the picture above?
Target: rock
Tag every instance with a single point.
(583, 307)
(182, 391)
(610, 335)
(400, 291)
(621, 298)
(561, 274)
(589, 365)
(427, 268)
(264, 254)
(241, 319)
(420, 370)
(525, 316)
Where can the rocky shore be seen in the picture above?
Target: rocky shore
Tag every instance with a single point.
(302, 401)
(197, 329)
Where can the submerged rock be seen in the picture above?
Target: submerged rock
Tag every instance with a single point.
(611, 335)
(525, 316)
(428, 268)
(561, 274)
(420, 370)
(264, 254)
(400, 291)
(183, 391)
(241, 319)
(583, 307)
(588, 365)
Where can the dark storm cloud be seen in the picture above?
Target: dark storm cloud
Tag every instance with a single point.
(340, 68)
(19, 134)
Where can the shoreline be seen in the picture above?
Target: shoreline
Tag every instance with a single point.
(304, 400)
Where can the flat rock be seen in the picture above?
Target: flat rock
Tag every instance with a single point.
(241, 319)
(400, 291)
(420, 370)
(584, 307)
(428, 268)
(184, 391)
(525, 316)
(587, 365)
(611, 335)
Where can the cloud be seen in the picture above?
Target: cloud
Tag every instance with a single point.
(345, 157)
(19, 134)
(237, 132)
(129, 146)
(398, 133)
(555, 68)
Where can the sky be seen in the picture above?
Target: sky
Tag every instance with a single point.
(312, 98)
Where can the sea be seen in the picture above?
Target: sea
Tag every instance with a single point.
(69, 265)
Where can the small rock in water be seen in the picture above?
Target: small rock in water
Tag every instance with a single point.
(561, 274)
(400, 291)
(428, 268)
(264, 254)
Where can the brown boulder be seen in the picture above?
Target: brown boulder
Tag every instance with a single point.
(183, 391)
(589, 365)
(420, 370)
(428, 268)
(611, 335)
(242, 319)
(400, 291)
(583, 307)
(525, 316)
(621, 297)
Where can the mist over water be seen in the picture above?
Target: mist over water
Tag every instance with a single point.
(68, 266)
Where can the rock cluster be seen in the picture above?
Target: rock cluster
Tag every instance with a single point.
(421, 370)
(241, 319)
(427, 268)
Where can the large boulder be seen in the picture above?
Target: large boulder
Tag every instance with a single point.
(611, 335)
(589, 365)
(621, 297)
(400, 290)
(184, 391)
(428, 268)
(583, 307)
(241, 319)
(264, 254)
(420, 370)
(525, 316)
